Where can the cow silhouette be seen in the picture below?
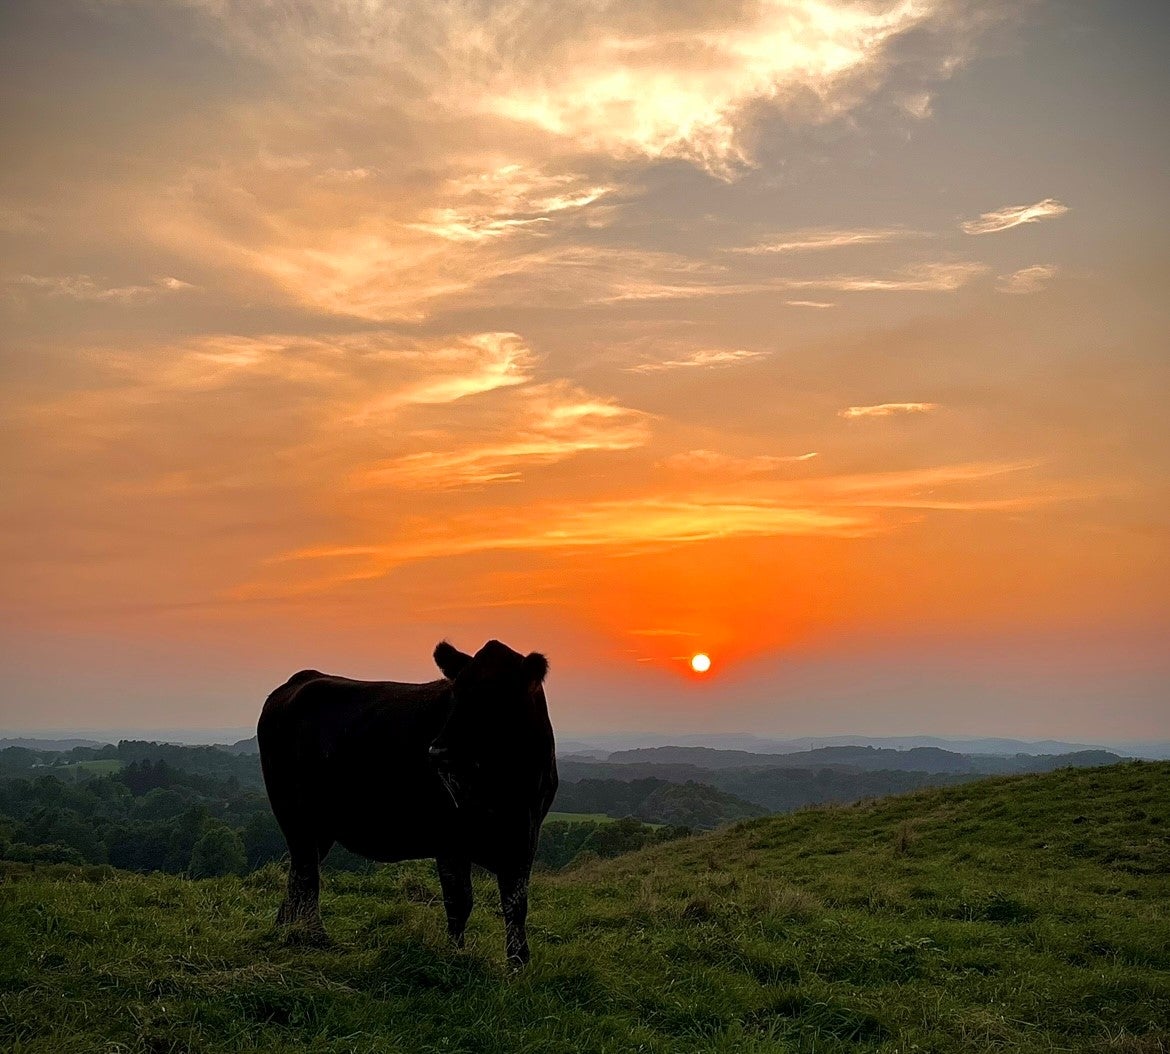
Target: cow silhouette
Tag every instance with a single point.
(461, 769)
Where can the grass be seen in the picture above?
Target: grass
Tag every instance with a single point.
(592, 817)
(1017, 914)
(580, 817)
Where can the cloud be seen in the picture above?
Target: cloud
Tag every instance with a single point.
(640, 79)
(820, 304)
(1027, 280)
(736, 506)
(396, 160)
(345, 414)
(703, 359)
(662, 276)
(887, 410)
(468, 366)
(710, 463)
(507, 200)
(84, 288)
(621, 525)
(392, 247)
(1013, 216)
(175, 285)
(547, 423)
(917, 278)
(816, 239)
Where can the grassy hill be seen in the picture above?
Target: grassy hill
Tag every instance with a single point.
(1027, 913)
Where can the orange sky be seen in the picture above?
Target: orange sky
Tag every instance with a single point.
(800, 333)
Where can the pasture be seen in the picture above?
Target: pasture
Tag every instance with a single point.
(1027, 913)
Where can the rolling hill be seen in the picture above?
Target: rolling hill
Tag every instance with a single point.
(1023, 913)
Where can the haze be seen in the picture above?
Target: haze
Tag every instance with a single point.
(826, 339)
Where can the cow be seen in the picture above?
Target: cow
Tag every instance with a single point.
(461, 769)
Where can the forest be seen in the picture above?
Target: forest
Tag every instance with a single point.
(202, 811)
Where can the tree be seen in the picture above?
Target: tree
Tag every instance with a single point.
(219, 851)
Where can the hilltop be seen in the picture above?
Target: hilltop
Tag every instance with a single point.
(1023, 913)
(863, 758)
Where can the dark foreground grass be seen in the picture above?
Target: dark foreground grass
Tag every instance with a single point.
(1019, 914)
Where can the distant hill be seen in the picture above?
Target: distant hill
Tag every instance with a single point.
(49, 744)
(865, 758)
(1022, 913)
(602, 745)
(684, 804)
(607, 743)
(242, 746)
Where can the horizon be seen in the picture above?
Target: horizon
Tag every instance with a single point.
(795, 334)
(572, 742)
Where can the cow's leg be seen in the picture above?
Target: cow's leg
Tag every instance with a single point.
(514, 901)
(455, 878)
(301, 905)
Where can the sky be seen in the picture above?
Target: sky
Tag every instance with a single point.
(827, 339)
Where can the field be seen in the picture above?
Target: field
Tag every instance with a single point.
(1027, 913)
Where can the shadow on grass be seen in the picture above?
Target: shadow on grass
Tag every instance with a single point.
(411, 967)
(789, 1013)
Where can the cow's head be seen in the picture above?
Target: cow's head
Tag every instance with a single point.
(498, 716)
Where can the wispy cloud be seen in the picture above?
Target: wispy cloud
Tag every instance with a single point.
(724, 466)
(674, 279)
(641, 522)
(1014, 215)
(469, 366)
(887, 410)
(944, 277)
(547, 423)
(847, 506)
(85, 288)
(818, 304)
(824, 238)
(707, 358)
(507, 200)
(1027, 279)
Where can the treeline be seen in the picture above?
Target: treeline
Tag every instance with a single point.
(149, 816)
(152, 815)
(770, 789)
(563, 843)
(83, 762)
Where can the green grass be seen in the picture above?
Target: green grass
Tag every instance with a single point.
(1024, 913)
(581, 817)
(592, 817)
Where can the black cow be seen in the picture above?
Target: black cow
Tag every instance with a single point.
(461, 769)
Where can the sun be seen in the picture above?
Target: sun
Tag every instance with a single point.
(700, 663)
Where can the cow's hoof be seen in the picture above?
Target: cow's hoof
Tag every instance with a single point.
(307, 935)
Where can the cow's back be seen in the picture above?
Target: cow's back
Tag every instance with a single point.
(349, 758)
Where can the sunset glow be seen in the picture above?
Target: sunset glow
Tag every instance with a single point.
(797, 331)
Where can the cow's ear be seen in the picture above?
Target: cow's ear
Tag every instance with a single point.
(536, 668)
(450, 660)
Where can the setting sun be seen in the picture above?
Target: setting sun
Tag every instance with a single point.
(700, 663)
